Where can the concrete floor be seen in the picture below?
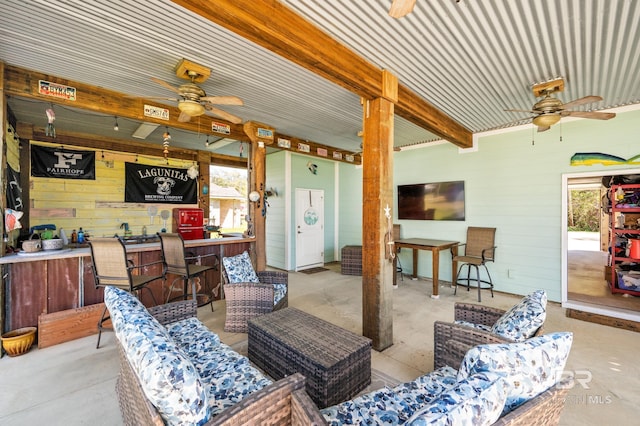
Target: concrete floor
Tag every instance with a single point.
(73, 383)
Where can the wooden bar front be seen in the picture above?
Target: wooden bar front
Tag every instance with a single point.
(62, 280)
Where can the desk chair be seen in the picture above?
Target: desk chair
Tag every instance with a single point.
(178, 263)
(478, 250)
(112, 268)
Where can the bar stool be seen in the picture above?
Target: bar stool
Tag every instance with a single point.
(176, 262)
(112, 268)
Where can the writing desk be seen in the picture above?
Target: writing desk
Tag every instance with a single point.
(435, 246)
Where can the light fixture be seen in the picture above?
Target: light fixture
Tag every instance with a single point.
(254, 196)
(144, 130)
(191, 108)
(115, 126)
(546, 120)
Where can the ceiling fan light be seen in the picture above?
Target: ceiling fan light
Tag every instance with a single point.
(546, 120)
(191, 108)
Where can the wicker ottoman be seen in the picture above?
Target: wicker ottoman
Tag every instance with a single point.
(351, 263)
(335, 361)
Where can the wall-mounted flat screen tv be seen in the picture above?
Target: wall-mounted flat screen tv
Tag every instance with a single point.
(431, 201)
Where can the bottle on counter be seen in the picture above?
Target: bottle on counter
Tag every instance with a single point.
(74, 237)
(80, 236)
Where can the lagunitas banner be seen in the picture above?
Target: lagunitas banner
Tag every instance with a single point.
(154, 184)
(62, 163)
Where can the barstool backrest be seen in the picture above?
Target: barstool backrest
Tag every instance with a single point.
(173, 253)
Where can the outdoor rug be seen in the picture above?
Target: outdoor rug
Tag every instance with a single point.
(314, 270)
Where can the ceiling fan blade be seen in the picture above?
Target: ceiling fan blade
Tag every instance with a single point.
(223, 100)
(581, 101)
(590, 114)
(165, 84)
(519, 120)
(400, 8)
(184, 117)
(223, 114)
(164, 98)
(520, 110)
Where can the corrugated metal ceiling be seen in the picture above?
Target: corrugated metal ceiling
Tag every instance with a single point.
(472, 59)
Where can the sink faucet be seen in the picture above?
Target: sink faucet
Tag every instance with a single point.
(125, 226)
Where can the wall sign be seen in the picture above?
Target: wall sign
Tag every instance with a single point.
(156, 112)
(55, 90)
(62, 163)
(155, 184)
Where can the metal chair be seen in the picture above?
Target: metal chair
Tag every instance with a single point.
(177, 262)
(112, 268)
(396, 237)
(478, 250)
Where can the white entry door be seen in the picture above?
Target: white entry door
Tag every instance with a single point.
(309, 228)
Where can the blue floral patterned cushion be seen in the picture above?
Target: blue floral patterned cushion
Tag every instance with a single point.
(168, 378)
(239, 269)
(475, 401)
(392, 406)
(192, 336)
(280, 290)
(529, 368)
(380, 407)
(524, 319)
(421, 391)
(229, 377)
(473, 325)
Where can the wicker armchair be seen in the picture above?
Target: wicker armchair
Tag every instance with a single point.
(248, 300)
(451, 341)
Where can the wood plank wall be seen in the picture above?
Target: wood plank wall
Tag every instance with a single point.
(97, 205)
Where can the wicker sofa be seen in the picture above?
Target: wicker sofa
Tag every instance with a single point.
(219, 386)
(208, 384)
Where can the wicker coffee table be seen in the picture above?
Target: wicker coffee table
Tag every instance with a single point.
(335, 361)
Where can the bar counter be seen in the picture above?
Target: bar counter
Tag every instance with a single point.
(46, 282)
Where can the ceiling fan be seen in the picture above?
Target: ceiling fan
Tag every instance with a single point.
(193, 100)
(549, 110)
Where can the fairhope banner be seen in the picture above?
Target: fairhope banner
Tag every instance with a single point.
(154, 184)
(62, 163)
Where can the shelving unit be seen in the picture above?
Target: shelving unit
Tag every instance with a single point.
(620, 234)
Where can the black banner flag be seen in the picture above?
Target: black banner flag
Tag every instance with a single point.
(62, 163)
(155, 184)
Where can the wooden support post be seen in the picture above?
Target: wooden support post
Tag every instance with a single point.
(204, 163)
(377, 271)
(257, 209)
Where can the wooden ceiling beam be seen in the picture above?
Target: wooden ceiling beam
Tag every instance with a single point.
(24, 83)
(277, 28)
(120, 145)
